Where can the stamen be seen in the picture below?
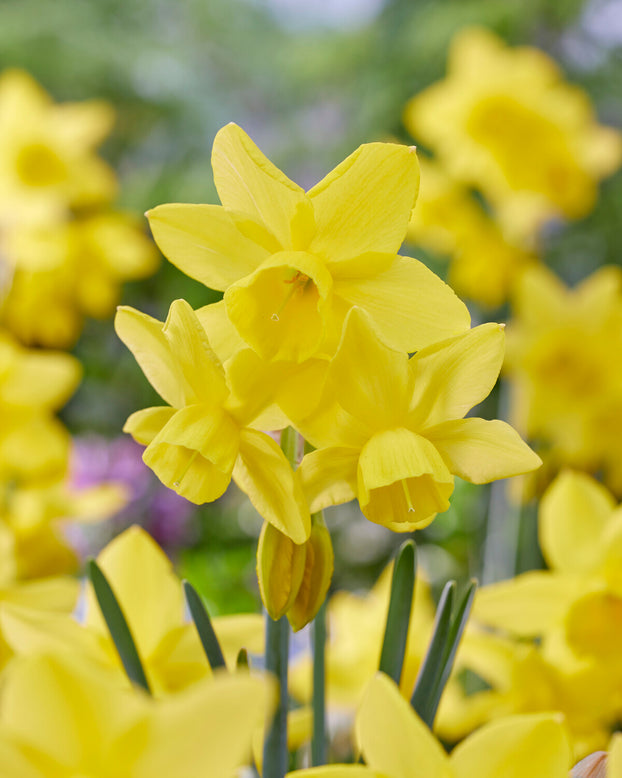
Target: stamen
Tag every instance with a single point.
(407, 496)
(297, 284)
(177, 483)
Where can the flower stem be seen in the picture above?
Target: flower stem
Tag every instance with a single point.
(275, 754)
(318, 742)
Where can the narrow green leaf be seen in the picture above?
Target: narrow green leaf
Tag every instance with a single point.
(117, 626)
(431, 670)
(202, 622)
(398, 616)
(242, 660)
(318, 739)
(458, 623)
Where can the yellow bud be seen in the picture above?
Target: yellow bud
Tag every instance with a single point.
(593, 766)
(317, 575)
(280, 569)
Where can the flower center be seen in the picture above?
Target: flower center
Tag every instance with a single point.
(297, 285)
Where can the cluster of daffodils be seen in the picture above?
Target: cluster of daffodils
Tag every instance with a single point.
(505, 123)
(64, 249)
(314, 332)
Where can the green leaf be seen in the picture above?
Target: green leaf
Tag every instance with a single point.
(202, 622)
(398, 616)
(431, 671)
(117, 626)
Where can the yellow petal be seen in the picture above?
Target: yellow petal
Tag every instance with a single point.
(329, 477)
(194, 453)
(280, 568)
(594, 626)
(393, 739)
(44, 379)
(247, 181)
(143, 336)
(516, 746)
(410, 306)
(207, 730)
(317, 575)
(573, 515)
(222, 335)
(201, 368)
(204, 243)
(333, 771)
(240, 630)
(144, 425)
(450, 378)
(152, 601)
(402, 480)
(482, 451)
(364, 204)
(263, 473)
(529, 605)
(279, 309)
(374, 391)
(614, 763)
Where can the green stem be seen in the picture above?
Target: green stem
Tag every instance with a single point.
(275, 754)
(318, 742)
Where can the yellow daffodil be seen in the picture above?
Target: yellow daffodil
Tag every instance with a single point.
(504, 121)
(205, 436)
(66, 270)
(559, 361)
(395, 743)
(291, 264)
(33, 384)
(48, 163)
(356, 625)
(59, 717)
(392, 432)
(294, 579)
(447, 220)
(151, 597)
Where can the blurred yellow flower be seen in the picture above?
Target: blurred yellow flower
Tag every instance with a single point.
(391, 431)
(447, 220)
(48, 162)
(206, 435)
(504, 121)
(291, 264)
(60, 717)
(559, 360)
(64, 271)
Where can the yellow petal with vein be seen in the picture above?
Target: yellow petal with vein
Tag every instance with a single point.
(328, 477)
(144, 425)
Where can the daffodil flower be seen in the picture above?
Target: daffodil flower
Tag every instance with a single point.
(205, 436)
(291, 264)
(395, 743)
(61, 717)
(393, 435)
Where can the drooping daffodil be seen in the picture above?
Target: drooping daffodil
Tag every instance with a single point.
(392, 434)
(292, 263)
(205, 436)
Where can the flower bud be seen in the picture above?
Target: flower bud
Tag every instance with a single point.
(280, 570)
(317, 575)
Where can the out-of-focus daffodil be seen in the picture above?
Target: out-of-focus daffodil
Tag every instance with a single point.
(69, 270)
(33, 384)
(564, 380)
(504, 121)
(60, 717)
(206, 436)
(392, 431)
(151, 597)
(449, 221)
(395, 743)
(48, 162)
(291, 264)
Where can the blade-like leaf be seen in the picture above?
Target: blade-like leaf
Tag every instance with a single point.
(117, 626)
(398, 616)
(434, 662)
(458, 623)
(202, 622)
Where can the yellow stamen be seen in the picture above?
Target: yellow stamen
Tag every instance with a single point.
(177, 483)
(298, 283)
(407, 496)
